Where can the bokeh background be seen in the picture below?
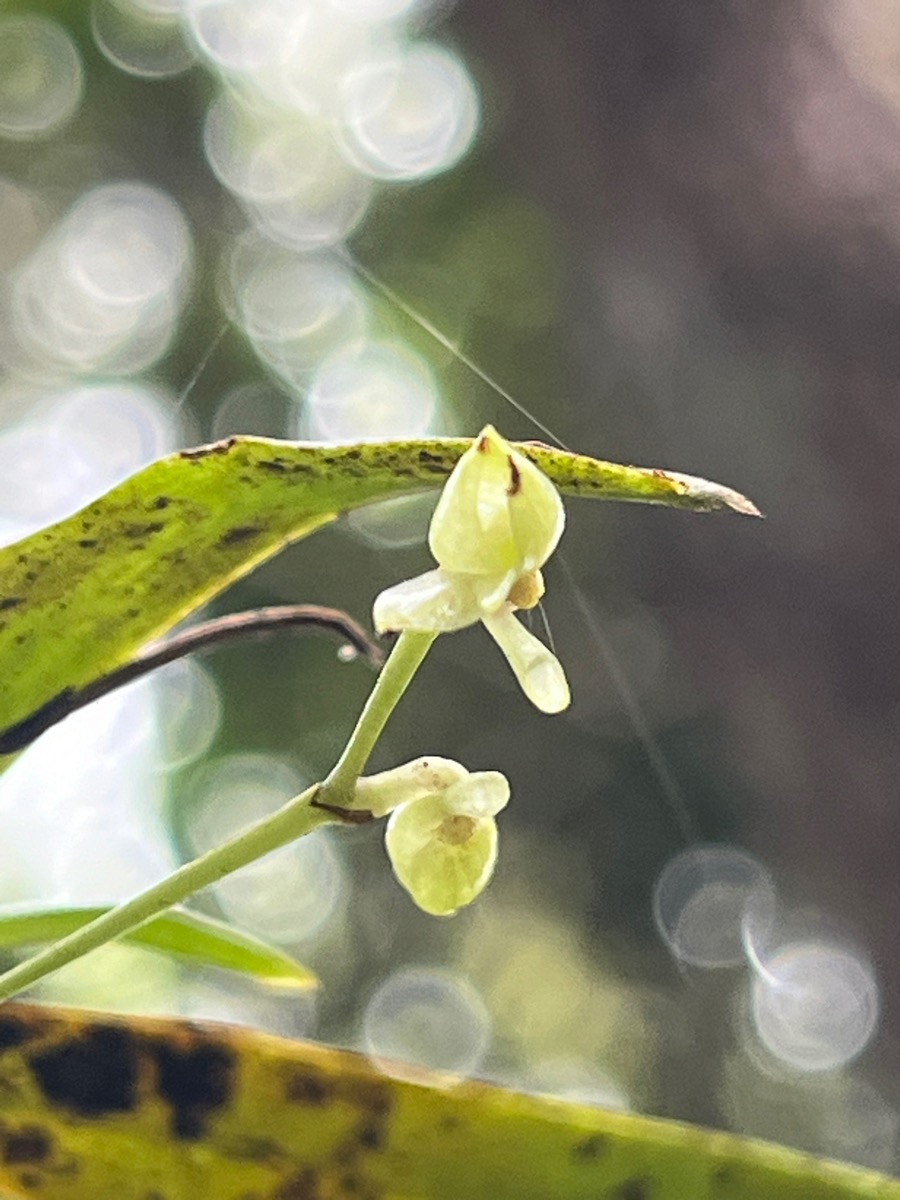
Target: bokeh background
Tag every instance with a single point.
(673, 233)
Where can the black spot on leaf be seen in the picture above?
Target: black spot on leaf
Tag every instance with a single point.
(302, 1186)
(93, 1075)
(142, 530)
(193, 1081)
(240, 533)
(30, 1144)
(13, 1033)
(371, 1137)
(308, 1087)
(591, 1148)
(639, 1188)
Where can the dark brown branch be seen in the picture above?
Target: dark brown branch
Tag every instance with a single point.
(257, 622)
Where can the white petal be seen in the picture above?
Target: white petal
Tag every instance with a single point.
(536, 514)
(436, 602)
(538, 671)
(471, 530)
(382, 793)
(498, 512)
(481, 794)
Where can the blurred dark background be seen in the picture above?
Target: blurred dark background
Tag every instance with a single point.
(677, 242)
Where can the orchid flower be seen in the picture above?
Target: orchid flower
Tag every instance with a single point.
(441, 837)
(497, 522)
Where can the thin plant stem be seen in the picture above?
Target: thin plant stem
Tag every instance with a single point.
(319, 805)
(298, 817)
(396, 674)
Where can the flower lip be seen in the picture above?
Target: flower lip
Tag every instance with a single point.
(443, 846)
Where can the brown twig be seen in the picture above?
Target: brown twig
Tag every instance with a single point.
(256, 622)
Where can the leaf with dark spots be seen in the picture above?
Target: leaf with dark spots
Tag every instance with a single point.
(238, 502)
(31, 1144)
(371, 1137)
(93, 1075)
(633, 1189)
(240, 533)
(14, 1033)
(141, 531)
(308, 1087)
(210, 1119)
(590, 1148)
(194, 1081)
(302, 1186)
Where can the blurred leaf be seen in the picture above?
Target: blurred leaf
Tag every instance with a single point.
(190, 935)
(98, 1108)
(80, 597)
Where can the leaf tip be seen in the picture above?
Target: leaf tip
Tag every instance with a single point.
(711, 496)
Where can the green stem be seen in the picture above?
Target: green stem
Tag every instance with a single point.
(298, 817)
(395, 677)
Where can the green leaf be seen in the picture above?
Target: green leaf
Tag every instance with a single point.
(100, 1108)
(190, 935)
(80, 597)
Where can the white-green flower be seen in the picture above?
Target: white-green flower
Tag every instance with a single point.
(380, 794)
(443, 846)
(497, 522)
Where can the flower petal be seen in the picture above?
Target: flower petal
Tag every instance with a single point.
(481, 794)
(538, 671)
(435, 602)
(536, 514)
(471, 530)
(380, 794)
(441, 873)
(498, 512)
(491, 591)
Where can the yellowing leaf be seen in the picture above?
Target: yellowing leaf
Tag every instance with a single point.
(96, 1108)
